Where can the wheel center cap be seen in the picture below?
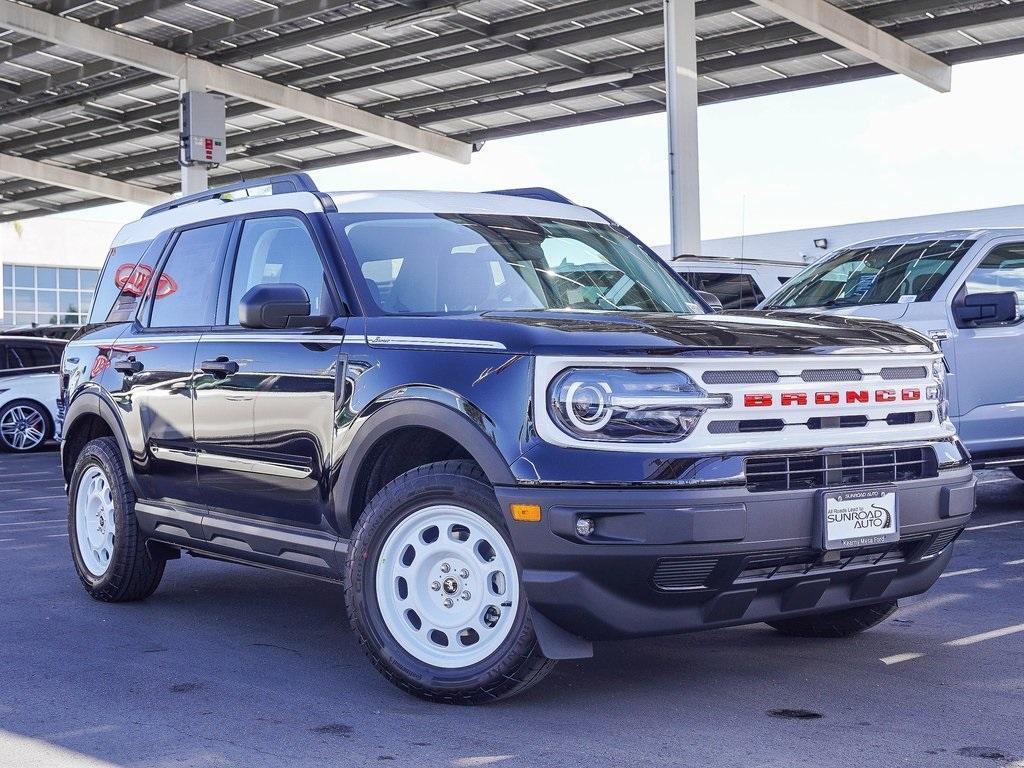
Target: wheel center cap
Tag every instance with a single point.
(450, 586)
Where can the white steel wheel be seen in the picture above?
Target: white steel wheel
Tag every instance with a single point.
(447, 586)
(95, 523)
(23, 427)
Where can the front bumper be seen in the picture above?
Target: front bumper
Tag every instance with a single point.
(669, 560)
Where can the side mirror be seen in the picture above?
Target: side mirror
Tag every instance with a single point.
(711, 300)
(278, 305)
(972, 310)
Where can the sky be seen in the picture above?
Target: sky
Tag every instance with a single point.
(877, 149)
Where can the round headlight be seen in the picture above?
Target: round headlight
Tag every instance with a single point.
(627, 404)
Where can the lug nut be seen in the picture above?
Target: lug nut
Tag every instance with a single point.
(445, 568)
(464, 573)
(448, 602)
(436, 586)
(466, 595)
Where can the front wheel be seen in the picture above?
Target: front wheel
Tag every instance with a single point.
(433, 589)
(849, 621)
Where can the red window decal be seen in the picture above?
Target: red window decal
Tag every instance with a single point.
(133, 280)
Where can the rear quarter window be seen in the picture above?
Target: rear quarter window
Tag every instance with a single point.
(126, 274)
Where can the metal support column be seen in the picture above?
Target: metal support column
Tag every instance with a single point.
(681, 81)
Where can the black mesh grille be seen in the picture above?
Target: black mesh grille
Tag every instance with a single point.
(942, 540)
(746, 425)
(674, 573)
(835, 470)
(905, 372)
(832, 374)
(740, 377)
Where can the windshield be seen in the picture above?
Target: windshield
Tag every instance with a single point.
(449, 264)
(895, 273)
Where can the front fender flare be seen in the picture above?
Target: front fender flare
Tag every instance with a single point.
(94, 402)
(414, 413)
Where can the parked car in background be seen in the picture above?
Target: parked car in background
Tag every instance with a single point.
(29, 385)
(965, 290)
(502, 422)
(736, 283)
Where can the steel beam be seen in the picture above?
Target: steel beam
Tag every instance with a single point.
(140, 55)
(83, 182)
(874, 44)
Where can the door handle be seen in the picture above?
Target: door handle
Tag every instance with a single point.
(129, 366)
(220, 368)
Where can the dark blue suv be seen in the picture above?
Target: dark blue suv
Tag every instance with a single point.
(501, 422)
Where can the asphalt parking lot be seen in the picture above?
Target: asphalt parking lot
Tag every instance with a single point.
(233, 666)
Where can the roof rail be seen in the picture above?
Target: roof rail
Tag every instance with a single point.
(536, 193)
(279, 185)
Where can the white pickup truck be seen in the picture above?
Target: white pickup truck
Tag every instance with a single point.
(964, 289)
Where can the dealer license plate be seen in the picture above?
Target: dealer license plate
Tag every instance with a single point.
(860, 518)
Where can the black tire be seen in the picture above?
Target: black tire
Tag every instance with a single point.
(844, 623)
(1018, 471)
(513, 667)
(41, 412)
(133, 574)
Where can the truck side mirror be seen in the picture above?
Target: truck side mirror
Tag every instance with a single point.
(711, 300)
(973, 310)
(276, 306)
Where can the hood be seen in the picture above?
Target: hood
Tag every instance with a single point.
(616, 333)
(888, 312)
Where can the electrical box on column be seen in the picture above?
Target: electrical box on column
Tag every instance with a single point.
(203, 140)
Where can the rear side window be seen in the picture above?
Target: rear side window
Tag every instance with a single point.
(735, 291)
(29, 356)
(123, 282)
(279, 249)
(185, 294)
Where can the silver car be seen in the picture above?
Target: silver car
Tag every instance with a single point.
(962, 288)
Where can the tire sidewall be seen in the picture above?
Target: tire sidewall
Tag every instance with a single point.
(381, 518)
(47, 424)
(91, 457)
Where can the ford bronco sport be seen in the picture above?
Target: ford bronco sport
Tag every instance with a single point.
(502, 423)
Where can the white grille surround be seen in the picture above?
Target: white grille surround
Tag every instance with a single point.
(903, 419)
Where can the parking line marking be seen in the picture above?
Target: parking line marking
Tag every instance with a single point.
(56, 535)
(26, 482)
(3, 540)
(35, 522)
(41, 498)
(1014, 562)
(899, 657)
(972, 639)
(18, 511)
(998, 480)
(993, 525)
(964, 572)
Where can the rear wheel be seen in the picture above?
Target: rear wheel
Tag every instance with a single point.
(433, 589)
(109, 551)
(849, 621)
(25, 426)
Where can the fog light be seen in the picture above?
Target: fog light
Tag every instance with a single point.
(584, 526)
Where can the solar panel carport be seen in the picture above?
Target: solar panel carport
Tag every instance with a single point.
(444, 76)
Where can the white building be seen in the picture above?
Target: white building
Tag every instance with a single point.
(50, 266)
(805, 245)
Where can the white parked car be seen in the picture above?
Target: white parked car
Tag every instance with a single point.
(28, 392)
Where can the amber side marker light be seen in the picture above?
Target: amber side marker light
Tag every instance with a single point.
(526, 513)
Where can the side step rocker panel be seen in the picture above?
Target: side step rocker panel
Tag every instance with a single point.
(319, 554)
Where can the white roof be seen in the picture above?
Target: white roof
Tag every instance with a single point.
(407, 201)
(149, 227)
